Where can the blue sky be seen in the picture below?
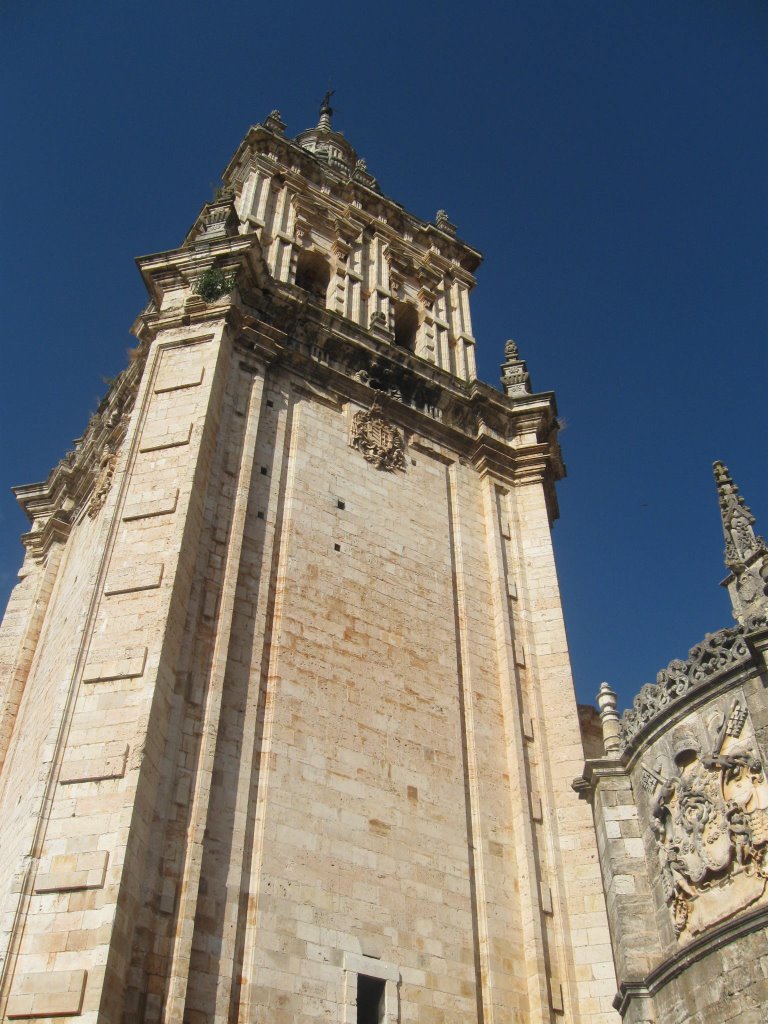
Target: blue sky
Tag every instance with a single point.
(609, 159)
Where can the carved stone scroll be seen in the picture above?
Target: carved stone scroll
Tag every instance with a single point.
(717, 652)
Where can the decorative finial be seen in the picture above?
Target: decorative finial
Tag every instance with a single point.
(275, 123)
(326, 111)
(609, 718)
(511, 350)
(746, 554)
(443, 224)
(515, 378)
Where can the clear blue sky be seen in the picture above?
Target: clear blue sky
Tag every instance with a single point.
(609, 159)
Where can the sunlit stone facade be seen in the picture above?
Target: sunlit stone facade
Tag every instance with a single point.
(287, 726)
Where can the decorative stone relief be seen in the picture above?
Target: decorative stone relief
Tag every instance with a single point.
(381, 444)
(709, 816)
(103, 482)
(716, 653)
(399, 383)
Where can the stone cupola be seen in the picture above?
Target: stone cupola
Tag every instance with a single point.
(327, 145)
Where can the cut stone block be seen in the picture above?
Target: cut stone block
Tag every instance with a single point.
(93, 769)
(155, 442)
(49, 994)
(72, 871)
(173, 377)
(156, 503)
(134, 577)
(125, 663)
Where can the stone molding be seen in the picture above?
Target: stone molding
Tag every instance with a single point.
(674, 965)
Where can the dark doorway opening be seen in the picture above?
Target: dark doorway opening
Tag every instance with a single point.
(370, 1000)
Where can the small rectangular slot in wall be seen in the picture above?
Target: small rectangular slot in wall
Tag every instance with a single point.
(546, 898)
(263, 470)
(340, 504)
(537, 812)
(337, 547)
(270, 403)
(556, 995)
(370, 999)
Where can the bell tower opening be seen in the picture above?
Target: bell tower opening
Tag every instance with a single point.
(313, 275)
(406, 325)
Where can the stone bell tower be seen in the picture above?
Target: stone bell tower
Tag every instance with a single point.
(287, 726)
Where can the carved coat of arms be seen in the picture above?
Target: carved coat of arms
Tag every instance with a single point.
(710, 820)
(380, 443)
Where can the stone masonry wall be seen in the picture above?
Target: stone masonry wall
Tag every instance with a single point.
(305, 720)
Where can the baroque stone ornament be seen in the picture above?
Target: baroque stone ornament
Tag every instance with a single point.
(716, 653)
(709, 816)
(103, 482)
(381, 444)
(515, 379)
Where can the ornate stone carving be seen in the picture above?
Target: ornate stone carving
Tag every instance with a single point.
(741, 541)
(515, 378)
(746, 554)
(275, 123)
(381, 444)
(709, 816)
(103, 482)
(716, 653)
(442, 223)
(399, 383)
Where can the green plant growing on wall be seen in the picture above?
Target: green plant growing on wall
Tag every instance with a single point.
(214, 283)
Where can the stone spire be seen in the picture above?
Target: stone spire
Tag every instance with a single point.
(326, 112)
(328, 145)
(746, 554)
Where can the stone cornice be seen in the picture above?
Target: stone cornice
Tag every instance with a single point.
(513, 439)
(53, 505)
(670, 968)
(595, 770)
(721, 661)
